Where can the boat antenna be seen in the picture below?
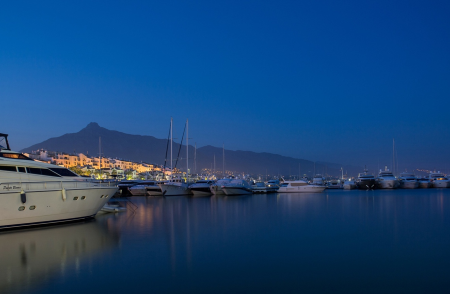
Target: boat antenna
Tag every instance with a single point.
(179, 149)
(223, 160)
(187, 149)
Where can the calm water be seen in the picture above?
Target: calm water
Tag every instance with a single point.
(338, 241)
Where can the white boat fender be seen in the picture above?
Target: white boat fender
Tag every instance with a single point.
(23, 197)
(64, 194)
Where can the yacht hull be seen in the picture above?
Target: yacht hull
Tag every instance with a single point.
(367, 184)
(302, 189)
(216, 190)
(440, 184)
(174, 190)
(409, 185)
(388, 184)
(232, 191)
(349, 187)
(156, 191)
(138, 191)
(49, 206)
(201, 191)
(424, 185)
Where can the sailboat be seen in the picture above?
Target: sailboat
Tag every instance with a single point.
(175, 187)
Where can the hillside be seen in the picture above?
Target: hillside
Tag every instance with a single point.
(152, 150)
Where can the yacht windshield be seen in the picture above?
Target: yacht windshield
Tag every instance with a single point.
(4, 145)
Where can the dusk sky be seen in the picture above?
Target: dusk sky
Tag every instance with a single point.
(328, 81)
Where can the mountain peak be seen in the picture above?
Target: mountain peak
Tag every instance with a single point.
(92, 125)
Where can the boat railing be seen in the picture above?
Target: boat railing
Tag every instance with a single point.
(52, 185)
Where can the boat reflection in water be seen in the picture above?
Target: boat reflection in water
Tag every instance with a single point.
(31, 258)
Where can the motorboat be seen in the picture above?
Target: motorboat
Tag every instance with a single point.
(36, 193)
(386, 180)
(424, 183)
(216, 188)
(261, 187)
(124, 187)
(366, 181)
(334, 184)
(408, 181)
(438, 180)
(175, 187)
(201, 188)
(237, 187)
(154, 190)
(349, 184)
(300, 186)
(318, 180)
(140, 189)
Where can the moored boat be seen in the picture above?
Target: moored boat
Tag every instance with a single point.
(424, 183)
(201, 188)
(408, 181)
(438, 180)
(300, 186)
(366, 181)
(386, 180)
(237, 187)
(35, 193)
(349, 184)
(216, 188)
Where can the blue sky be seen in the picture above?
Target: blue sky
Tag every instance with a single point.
(320, 80)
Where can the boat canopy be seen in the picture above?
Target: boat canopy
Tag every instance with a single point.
(4, 144)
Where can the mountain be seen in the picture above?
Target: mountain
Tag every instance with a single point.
(152, 150)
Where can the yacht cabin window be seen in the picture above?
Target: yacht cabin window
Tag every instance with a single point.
(8, 168)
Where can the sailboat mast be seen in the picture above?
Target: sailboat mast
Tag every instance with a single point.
(187, 150)
(100, 153)
(223, 160)
(171, 141)
(393, 156)
(195, 158)
(214, 171)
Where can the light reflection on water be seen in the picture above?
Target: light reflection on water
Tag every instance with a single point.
(337, 241)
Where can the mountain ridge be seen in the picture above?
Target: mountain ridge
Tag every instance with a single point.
(149, 149)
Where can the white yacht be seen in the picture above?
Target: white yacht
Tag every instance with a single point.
(175, 187)
(154, 190)
(349, 184)
(141, 188)
(438, 180)
(300, 186)
(34, 193)
(334, 184)
(318, 180)
(386, 180)
(237, 187)
(261, 187)
(201, 188)
(216, 188)
(424, 183)
(408, 181)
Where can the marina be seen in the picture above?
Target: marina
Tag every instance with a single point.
(337, 241)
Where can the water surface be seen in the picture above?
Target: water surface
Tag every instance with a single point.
(389, 241)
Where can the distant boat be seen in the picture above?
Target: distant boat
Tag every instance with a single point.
(201, 188)
(175, 187)
(140, 189)
(366, 181)
(318, 180)
(438, 180)
(216, 188)
(408, 181)
(424, 183)
(386, 180)
(237, 187)
(334, 184)
(261, 187)
(300, 186)
(349, 184)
